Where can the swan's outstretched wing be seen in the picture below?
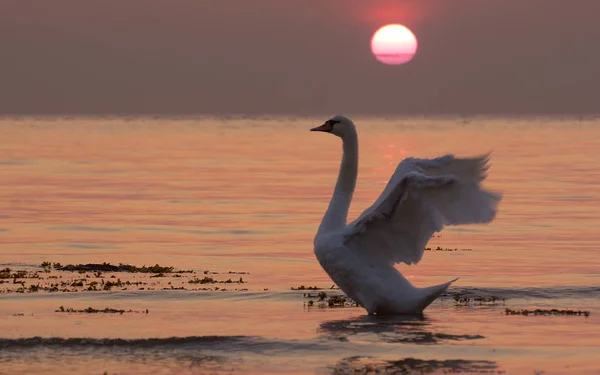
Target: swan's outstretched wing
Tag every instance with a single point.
(422, 196)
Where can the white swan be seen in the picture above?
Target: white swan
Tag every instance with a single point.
(422, 196)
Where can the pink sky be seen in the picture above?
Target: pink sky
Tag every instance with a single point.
(305, 57)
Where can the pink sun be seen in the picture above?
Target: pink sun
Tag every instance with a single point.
(394, 44)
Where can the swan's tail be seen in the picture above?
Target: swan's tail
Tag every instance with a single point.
(432, 292)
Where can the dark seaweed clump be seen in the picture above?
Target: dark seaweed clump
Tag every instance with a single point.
(463, 300)
(302, 287)
(537, 312)
(97, 277)
(438, 248)
(363, 365)
(323, 300)
(7, 273)
(210, 280)
(107, 267)
(91, 310)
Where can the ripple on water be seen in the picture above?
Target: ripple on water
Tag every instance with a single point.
(365, 365)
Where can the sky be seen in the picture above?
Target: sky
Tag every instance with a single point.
(300, 57)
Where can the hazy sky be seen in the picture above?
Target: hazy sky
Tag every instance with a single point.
(297, 57)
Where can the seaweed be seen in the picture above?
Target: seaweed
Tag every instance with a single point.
(91, 310)
(366, 365)
(302, 287)
(324, 301)
(7, 273)
(556, 312)
(438, 248)
(95, 277)
(210, 280)
(462, 300)
(107, 267)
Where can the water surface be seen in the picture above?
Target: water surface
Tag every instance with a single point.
(246, 195)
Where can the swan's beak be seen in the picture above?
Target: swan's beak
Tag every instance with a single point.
(326, 127)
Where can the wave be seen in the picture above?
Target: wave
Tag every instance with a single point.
(90, 342)
(245, 343)
(556, 292)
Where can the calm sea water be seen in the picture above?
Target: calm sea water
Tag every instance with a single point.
(245, 195)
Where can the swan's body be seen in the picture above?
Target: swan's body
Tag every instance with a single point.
(422, 196)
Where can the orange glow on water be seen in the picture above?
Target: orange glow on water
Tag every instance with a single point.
(248, 195)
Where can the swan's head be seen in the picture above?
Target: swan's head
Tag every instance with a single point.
(338, 125)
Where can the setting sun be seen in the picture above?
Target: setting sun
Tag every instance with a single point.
(394, 44)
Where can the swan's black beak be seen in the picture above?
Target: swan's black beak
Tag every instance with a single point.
(326, 127)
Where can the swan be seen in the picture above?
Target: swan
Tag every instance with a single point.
(422, 196)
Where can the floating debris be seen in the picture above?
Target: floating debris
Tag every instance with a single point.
(557, 312)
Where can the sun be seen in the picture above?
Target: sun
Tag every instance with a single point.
(394, 44)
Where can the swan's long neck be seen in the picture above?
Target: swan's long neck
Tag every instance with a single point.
(337, 212)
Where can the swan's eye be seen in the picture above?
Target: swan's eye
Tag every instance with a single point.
(332, 122)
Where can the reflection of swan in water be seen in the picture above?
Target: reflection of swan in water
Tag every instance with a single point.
(405, 329)
(423, 196)
(415, 329)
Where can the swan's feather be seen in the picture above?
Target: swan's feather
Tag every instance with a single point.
(422, 196)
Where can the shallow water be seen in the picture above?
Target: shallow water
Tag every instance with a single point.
(246, 195)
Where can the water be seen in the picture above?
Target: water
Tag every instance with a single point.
(245, 195)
